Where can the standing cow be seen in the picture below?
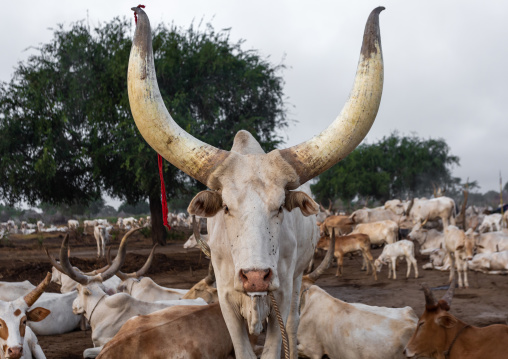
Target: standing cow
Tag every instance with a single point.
(262, 230)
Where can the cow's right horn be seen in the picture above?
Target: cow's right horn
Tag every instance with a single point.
(140, 272)
(192, 156)
(32, 297)
(430, 300)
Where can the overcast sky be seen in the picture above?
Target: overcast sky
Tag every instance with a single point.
(446, 72)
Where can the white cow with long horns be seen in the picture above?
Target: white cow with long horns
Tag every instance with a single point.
(262, 229)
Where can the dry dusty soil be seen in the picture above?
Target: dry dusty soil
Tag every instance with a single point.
(484, 303)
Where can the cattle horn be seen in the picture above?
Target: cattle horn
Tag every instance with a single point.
(316, 155)
(430, 300)
(425, 222)
(192, 156)
(53, 261)
(326, 261)
(140, 272)
(210, 277)
(202, 244)
(449, 293)
(32, 297)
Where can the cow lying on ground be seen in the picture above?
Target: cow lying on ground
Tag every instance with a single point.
(353, 331)
(17, 341)
(176, 332)
(491, 242)
(12, 290)
(440, 334)
(491, 223)
(391, 252)
(438, 259)
(490, 263)
(429, 239)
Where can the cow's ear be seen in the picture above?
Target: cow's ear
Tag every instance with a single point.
(480, 246)
(37, 314)
(301, 200)
(205, 204)
(460, 247)
(446, 321)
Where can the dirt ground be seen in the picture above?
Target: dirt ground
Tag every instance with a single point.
(482, 304)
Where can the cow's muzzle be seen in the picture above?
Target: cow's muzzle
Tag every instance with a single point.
(256, 280)
(14, 352)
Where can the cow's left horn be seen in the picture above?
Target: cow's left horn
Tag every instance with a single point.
(32, 297)
(430, 300)
(140, 272)
(318, 154)
(192, 156)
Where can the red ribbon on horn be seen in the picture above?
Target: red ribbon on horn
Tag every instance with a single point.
(136, 15)
(163, 194)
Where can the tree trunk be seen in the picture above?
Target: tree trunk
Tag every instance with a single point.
(158, 230)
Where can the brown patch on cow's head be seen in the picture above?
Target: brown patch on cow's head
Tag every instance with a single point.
(22, 326)
(205, 204)
(4, 331)
(301, 200)
(17, 312)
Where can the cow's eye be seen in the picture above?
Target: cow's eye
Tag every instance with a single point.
(226, 209)
(24, 322)
(420, 324)
(280, 209)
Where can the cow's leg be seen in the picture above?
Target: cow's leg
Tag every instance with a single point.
(294, 317)
(365, 262)
(340, 260)
(394, 263)
(408, 267)
(459, 269)
(413, 261)
(98, 246)
(463, 268)
(452, 266)
(236, 327)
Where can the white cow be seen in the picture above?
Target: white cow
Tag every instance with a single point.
(491, 223)
(262, 232)
(192, 243)
(429, 239)
(88, 223)
(367, 215)
(72, 224)
(491, 242)
(102, 236)
(459, 247)
(491, 263)
(40, 226)
(102, 222)
(438, 259)
(391, 252)
(130, 221)
(106, 314)
(434, 208)
(17, 341)
(379, 232)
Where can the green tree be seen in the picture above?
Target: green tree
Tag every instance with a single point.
(395, 167)
(67, 134)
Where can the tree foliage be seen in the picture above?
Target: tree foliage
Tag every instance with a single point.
(395, 167)
(66, 131)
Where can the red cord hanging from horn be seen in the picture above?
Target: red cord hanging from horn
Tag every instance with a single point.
(161, 175)
(136, 15)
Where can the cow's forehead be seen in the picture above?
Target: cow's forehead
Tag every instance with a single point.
(12, 309)
(267, 175)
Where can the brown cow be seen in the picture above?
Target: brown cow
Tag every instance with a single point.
(441, 335)
(342, 224)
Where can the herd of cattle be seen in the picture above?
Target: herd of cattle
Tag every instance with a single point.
(262, 235)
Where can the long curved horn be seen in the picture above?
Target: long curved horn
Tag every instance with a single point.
(205, 248)
(192, 156)
(66, 266)
(142, 270)
(119, 259)
(53, 261)
(210, 278)
(449, 293)
(326, 261)
(430, 300)
(315, 156)
(32, 297)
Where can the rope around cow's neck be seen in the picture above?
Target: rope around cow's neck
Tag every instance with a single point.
(283, 332)
(447, 353)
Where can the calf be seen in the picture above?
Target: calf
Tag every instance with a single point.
(391, 252)
(438, 259)
(491, 263)
(352, 243)
(72, 224)
(440, 334)
(16, 339)
(379, 232)
(459, 247)
(102, 236)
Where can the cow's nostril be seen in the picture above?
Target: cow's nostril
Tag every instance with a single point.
(267, 275)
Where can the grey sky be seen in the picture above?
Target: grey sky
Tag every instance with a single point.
(446, 70)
